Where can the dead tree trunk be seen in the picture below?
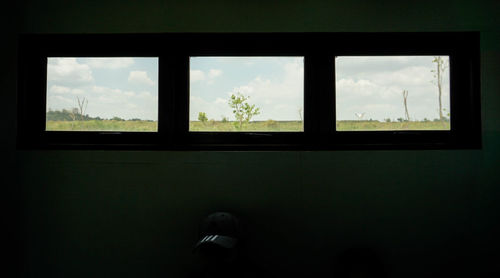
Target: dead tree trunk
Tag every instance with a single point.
(440, 68)
(82, 106)
(439, 89)
(405, 103)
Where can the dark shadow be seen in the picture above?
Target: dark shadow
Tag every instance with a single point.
(221, 249)
(359, 262)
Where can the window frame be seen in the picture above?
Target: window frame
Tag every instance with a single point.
(319, 51)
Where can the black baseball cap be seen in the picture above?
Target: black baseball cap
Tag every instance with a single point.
(220, 229)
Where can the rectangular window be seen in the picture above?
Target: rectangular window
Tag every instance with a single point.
(384, 93)
(246, 94)
(102, 94)
(249, 91)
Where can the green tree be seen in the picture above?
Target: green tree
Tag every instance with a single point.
(202, 117)
(243, 112)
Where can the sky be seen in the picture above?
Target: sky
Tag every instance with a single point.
(373, 87)
(124, 87)
(367, 86)
(273, 84)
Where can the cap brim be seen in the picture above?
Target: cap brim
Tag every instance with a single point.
(222, 241)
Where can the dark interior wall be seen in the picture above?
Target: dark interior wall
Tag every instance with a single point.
(135, 214)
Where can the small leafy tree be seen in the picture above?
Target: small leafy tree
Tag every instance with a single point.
(243, 112)
(272, 124)
(202, 117)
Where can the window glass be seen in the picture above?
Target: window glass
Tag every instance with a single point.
(102, 94)
(392, 93)
(234, 94)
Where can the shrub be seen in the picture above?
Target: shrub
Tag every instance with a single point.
(272, 124)
(202, 117)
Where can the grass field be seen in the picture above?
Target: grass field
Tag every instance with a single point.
(214, 126)
(269, 126)
(102, 125)
(381, 126)
(283, 126)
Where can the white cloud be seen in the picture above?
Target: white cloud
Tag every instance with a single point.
(109, 63)
(107, 100)
(213, 73)
(61, 99)
(409, 76)
(221, 101)
(68, 71)
(62, 90)
(196, 75)
(199, 75)
(215, 109)
(107, 97)
(105, 90)
(361, 87)
(140, 77)
(278, 95)
(59, 90)
(376, 88)
(278, 99)
(144, 94)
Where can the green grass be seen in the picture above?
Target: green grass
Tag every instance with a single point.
(214, 126)
(102, 125)
(269, 126)
(277, 126)
(381, 126)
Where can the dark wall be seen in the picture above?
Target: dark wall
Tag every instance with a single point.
(136, 214)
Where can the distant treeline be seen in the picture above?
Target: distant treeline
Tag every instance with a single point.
(69, 115)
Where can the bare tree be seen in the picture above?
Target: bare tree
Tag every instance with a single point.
(405, 103)
(73, 113)
(438, 74)
(300, 113)
(82, 106)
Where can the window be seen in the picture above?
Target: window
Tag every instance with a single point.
(255, 91)
(383, 93)
(102, 94)
(238, 94)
